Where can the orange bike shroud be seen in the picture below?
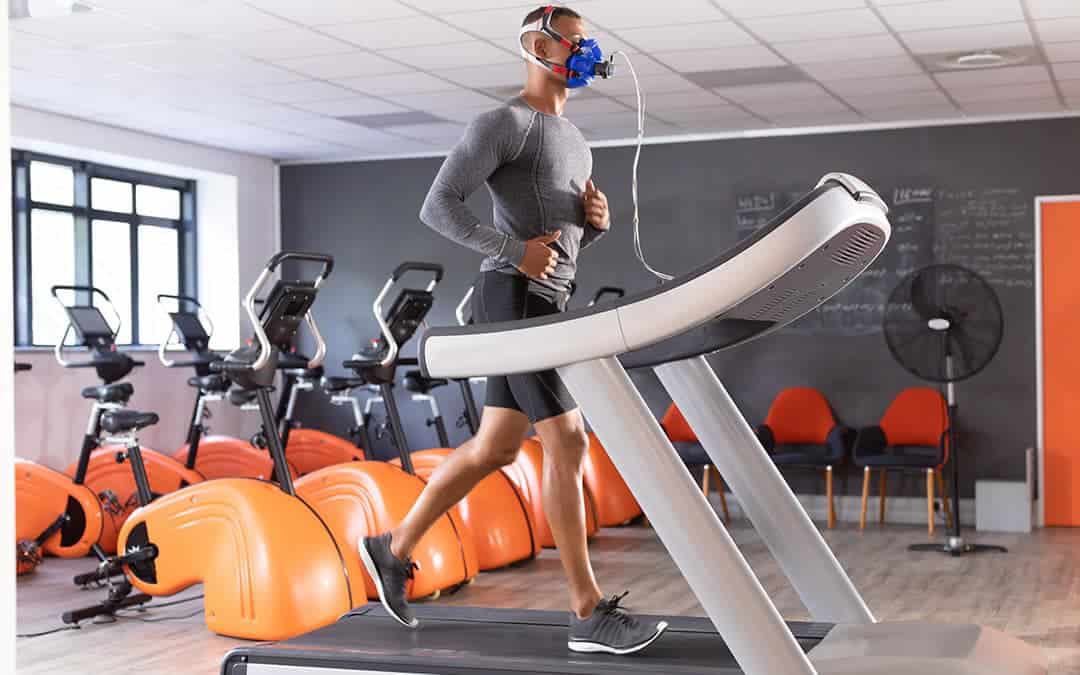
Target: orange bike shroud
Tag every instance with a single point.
(269, 566)
(227, 457)
(496, 514)
(104, 473)
(361, 499)
(311, 449)
(41, 496)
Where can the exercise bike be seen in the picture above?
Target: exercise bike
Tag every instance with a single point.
(103, 468)
(269, 566)
(211, 456)
(359, 499)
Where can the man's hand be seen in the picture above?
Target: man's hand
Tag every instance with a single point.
(596, 208)
(540, 259)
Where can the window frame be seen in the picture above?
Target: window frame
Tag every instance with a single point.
(84, 216)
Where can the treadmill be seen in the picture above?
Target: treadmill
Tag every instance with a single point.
(804, 256)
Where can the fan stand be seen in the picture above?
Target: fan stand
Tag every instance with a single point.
(954, 544)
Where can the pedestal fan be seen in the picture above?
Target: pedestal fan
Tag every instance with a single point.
(943, 323)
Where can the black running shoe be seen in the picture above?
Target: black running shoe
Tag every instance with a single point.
(612, 630)
(391, 575)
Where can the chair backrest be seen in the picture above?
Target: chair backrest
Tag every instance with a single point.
(917, 416)
(800, 415)
(676, 426)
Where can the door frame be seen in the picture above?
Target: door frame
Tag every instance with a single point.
(1040, 423)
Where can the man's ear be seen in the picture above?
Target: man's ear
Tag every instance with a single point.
(540, 45)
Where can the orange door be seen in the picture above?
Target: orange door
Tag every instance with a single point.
(1061, 361)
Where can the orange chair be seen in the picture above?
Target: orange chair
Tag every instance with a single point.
(615, 504)
(801, 431)
(912, 436)
(692, 453)
(527, 473)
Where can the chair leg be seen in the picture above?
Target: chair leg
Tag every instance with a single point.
(930, 501)
(865, 496)
(723, 497)
(944, 498)
(705, 476)
(882, 485)
(829, 496)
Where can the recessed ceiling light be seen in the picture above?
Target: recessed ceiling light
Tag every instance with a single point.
(984, 58)
(36, 9)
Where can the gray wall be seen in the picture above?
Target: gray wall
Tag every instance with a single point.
(366, 214)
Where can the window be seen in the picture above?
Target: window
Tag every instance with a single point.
(128, 233)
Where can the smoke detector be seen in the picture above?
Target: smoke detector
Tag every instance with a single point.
(983, 58)
(41, 9)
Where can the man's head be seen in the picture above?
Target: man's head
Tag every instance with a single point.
(564, 21)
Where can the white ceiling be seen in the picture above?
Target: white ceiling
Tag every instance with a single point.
(327, 79)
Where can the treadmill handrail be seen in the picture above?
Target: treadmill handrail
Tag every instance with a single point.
(690, 301)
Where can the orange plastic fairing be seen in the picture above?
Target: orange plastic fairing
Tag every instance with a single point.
(269, 567)
(361, 499)
(527, 472)
(615, 504)
(310, 450)
(41, 496)
(497, 517)
(105, 474)
(227, 457)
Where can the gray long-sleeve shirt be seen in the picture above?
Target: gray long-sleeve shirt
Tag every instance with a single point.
(535, 166)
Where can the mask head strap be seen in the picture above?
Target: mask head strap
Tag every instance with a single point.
(543, 25)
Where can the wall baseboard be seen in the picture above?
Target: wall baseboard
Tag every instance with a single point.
(898, 510)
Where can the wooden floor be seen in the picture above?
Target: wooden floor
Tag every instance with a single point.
(1032, 592)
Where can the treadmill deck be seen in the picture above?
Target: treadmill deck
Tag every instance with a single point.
(482, 641)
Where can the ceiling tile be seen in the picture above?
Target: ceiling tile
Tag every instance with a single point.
(457, 55)
(1052, 9)
(396, 33)
(991, 77)
(728, 114)
(886, 100)
(246, 72)
(400, 83)
(203, 18)
(92, 29)
(398, 119)
(466, 115)
(443, 7)
(617, 14)
(975, 37)
(327, 129)
(878, 85)
(815, 118)
(750, 56)
(247, 110)
(951, 13)
(749, 9)
(483, 77)
(439, 100)
(820, 51)
(711, 79)
(328, 12)
(1038, 105)
(439, 131)
(497, 25)
(914, 113)
(282, 44)
(1063, 51)
(596, 121)
(1058, 30)
(628, 132)
(773, 92)
(817, 105)
(862, 69)
(653, 84)
(173, 56)
(589, 106)
(1013, 92)
(705, 35)
(299, 92)
(1066, 71)
(677, 101)
(79, 65)
(353, 105)
(340, 66)
(823, 26)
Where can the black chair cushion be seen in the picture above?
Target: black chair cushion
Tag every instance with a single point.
(333, 385)
(415, 381)
(691, 453)
(903, 456)
(118, 392)
(832, 453)
(214, 383)
(117, 421)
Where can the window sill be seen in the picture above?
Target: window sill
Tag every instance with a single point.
(133, 349)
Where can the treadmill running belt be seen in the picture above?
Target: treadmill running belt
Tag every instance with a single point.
(481, 641)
